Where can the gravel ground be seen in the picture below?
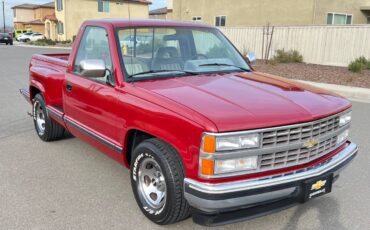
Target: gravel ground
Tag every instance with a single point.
(317, 73)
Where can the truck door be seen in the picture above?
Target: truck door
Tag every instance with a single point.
(90, 103)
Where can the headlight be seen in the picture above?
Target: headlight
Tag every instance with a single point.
(225, 143)
(235, 165)
(345, 119)
(343, 136)
(217, 144)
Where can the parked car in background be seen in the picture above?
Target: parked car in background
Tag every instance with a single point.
(26, 37)
(6, 38)
(36, 36)
(18, 33)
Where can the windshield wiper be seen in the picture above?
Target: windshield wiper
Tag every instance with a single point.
(163, 71)
(225, 64)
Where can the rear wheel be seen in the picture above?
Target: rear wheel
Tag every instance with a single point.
(46, 128)
(157, 178)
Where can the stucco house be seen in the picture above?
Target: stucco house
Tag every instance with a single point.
(261, 12)
(69, 14)
(31, 16)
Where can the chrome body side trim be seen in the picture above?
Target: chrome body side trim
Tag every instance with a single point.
(98, 138)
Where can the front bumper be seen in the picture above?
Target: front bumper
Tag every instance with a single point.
(216, 204)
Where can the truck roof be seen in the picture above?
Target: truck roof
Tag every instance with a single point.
(146, 22)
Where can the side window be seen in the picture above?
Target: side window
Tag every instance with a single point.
(94, 45)
(209, 45)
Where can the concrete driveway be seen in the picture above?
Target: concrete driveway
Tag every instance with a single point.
(70, 185)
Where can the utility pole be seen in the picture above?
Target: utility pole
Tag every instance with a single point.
(3, 16)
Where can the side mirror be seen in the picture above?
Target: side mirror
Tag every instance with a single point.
(251, 57)
(93, 68)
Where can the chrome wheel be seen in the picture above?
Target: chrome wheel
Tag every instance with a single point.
(151, 184)
(39, 116)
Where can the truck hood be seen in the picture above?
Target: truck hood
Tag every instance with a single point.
(241, 101)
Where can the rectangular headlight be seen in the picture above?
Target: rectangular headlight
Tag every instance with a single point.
(345, 118)
(244, 141)
(343, 136)
(235, 165)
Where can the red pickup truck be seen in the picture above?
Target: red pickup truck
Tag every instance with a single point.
(202, 133)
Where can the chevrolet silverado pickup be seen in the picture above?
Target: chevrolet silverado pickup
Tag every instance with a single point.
(202, 133)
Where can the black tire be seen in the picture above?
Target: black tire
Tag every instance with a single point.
(52, 130)
(175, 207)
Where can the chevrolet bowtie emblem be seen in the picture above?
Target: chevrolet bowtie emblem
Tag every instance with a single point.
(310, 143)
(319, 184)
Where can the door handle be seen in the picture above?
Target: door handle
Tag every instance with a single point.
(69, 87)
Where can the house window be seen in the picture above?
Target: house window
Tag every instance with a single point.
(59, 5)
(103, 6)
(60, 28)
(197, 18)
(339, 19)
(220, 21)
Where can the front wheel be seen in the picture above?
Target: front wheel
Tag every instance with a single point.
(157, 178)
(46, 128)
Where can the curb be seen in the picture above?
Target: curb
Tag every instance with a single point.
(43, 47)
(353, 93)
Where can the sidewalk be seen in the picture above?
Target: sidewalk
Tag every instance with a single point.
(352, 93)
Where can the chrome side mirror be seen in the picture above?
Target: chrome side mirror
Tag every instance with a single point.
(251, 57)
(93, 68)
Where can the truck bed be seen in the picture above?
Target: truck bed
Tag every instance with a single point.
(48, 70)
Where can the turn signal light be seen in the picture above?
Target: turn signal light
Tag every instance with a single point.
(209, 144)
(207, 167)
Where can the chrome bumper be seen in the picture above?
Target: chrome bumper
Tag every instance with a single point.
(211, 198)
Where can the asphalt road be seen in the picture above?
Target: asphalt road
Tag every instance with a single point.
(70, 185)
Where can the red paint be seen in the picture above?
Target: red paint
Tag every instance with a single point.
(177, 110)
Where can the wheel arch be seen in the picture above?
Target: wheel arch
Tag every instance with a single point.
(34, 91)
(135, 136)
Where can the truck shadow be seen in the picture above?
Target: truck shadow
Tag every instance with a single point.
(327, 213)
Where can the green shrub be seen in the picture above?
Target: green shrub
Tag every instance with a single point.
(290, 56)
(359, 64)
(356, 67)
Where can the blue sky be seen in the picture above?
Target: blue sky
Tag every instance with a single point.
(10, 3)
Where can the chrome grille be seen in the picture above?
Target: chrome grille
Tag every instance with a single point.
(284, 146)
(300, 133)
(296, 156)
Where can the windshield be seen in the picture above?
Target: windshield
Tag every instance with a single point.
(162, 52)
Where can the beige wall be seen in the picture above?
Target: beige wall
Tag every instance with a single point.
(61, 16)
(23, 15)
(158, 16)
(50, 30)
(282, 12)
(246, 12)
(341, 6)
(40, 13)
(35, 28)
(75, 12)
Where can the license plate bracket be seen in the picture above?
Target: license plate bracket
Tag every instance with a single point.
(317, 187)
